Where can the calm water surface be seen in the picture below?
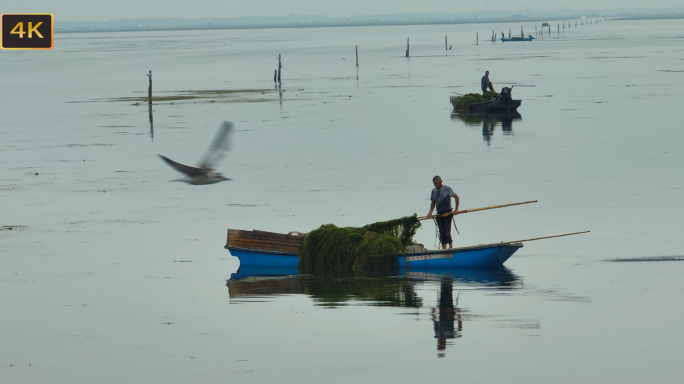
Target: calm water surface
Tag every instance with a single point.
(112, 272)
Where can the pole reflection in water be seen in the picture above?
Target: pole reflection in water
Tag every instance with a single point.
(489, 122)
(151, 123)
(280, 95)
(254, 284)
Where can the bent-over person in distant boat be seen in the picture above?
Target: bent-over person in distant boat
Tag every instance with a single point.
(441, 199)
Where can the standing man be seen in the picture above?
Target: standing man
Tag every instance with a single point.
(441, 199)
(484, 82)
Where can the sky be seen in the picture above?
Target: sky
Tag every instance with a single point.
(102, 10)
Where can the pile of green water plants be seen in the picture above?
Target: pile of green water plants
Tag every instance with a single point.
(464, 102)
(373, 247)
(491, 95)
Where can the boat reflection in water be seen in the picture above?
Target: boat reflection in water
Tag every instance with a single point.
(489, 122)
(398, 290)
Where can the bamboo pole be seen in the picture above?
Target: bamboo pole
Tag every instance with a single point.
(546, 237)
(449, 251)
(476, 209)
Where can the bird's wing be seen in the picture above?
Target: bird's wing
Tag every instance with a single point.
(184, 168)
(218, 147)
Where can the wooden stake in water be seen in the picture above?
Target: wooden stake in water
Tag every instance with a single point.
(446, 44)
(477, 38)
(280, 67)
(357, 55)
(275, 75)
(407, 47)
(149, 89)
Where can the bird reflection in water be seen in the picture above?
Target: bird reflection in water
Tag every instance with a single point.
(489, 122)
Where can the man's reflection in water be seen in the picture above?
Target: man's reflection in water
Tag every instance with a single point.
(444, 317)
(507, 124)
(488, 130)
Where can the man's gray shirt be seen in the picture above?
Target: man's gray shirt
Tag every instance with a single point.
(442, 198)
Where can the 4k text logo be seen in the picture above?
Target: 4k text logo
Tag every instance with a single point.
(26, 31)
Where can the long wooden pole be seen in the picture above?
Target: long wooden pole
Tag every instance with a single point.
(450, 251)
(477, 209)
(546, 237)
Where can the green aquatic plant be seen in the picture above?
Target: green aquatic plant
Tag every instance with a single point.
(369, 248)
(464, 102)
(491, 95)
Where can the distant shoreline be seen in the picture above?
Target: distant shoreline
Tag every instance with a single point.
(202, 24)
(324, 24)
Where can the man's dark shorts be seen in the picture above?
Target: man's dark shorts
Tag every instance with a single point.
(444, 225)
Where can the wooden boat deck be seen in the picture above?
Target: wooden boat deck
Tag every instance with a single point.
(267, 242)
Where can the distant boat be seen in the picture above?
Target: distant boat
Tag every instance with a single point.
(528, 38)
(546, 25)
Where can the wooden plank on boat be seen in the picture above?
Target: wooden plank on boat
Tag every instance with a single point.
(261, 241)
(232, 233)
(266, 248)
(289, 240)
(258, 241)
(259, 244)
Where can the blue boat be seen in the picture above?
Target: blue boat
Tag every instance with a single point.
(258, 248)
(529, 38)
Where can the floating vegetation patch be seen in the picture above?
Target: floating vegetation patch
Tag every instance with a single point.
(372, 247)
(11, 227)
(464, 102)
(216, 95)
(647, 259)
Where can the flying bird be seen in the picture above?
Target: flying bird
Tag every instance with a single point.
(204, 172)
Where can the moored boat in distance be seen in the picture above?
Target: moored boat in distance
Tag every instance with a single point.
(529, 38)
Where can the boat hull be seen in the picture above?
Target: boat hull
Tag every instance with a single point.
(517, 39)
(473, 257)
(495, 106)
(253, 257)
(489, 106)
(470, 257)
